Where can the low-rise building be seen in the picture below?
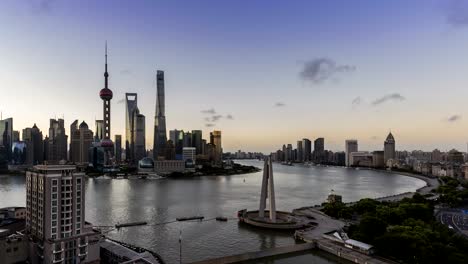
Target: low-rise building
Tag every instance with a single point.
(361, 159)
(169, 166)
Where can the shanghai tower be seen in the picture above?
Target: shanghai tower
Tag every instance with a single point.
(160, 137)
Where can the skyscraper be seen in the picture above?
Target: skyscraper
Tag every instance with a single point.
(99, 135)
(131, 100)
(319, 149)
(389, 148)
(177, 138)
(57, 141)
(6, 135)
(351, 145)
(140, 138)
(215, 140)
(55, 216)
(187, 140)
(300, 151)
(197, 137)
(307, 146)
(118, 148)
(81, 139)
(16, 136)
(34, 144)
(160, 136)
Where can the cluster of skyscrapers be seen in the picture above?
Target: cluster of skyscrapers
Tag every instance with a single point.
(84, 147)
(305, 153)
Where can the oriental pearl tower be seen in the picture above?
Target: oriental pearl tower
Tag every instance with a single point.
(106, 96)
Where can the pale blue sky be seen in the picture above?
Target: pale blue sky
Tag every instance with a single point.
(241, 58)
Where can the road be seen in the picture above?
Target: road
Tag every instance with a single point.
(455, 219)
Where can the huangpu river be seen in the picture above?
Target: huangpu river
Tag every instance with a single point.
(111, 201)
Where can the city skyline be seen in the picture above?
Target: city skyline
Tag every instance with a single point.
(392, 75)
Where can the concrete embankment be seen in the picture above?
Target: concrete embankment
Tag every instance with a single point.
(258, 254)
(348, 254)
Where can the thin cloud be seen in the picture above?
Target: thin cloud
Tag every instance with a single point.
(453, 118)
(357, 101)
(388, 97)
(209, 111)
(215, 118)
(320, 70)
(209, 125)
(279, 104)
(230, 117)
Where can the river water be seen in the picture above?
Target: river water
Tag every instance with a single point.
(157, 201)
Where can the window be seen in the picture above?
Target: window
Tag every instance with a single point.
(54, 182)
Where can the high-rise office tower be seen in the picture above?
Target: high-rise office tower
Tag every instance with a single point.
(215, 140)
(131, 100)
(160, 136)
(389, 148)
(34, 145)
(351, 145)
(177, 138)
(300, 151)
(140, 138)
(55, 216)
(81, 139)
(187, 140)
(289, 153)
(57, 141)
(319, 150)
(118, 148)
(16, 136)
(307, 146)
(197, 137)
(285, 153)
(74, 150)
(99, 135)
(6, 135)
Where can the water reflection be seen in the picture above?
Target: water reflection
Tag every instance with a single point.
(156, 201)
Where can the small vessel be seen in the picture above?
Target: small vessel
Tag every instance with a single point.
(131, 224)
(221, 218)
(190, 218)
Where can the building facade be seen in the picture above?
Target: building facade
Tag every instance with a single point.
(215, 140)
(6, 135)
(57, 142)
(81, 140)
(351, 145)
(160, 135)
(118, 148)
(55, 216)
(131, 100)
(389, 148)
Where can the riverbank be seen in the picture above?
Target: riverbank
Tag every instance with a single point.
(235, 169)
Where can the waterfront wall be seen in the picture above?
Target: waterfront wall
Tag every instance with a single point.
(258, 254)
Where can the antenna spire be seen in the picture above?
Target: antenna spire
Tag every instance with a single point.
(106, 74)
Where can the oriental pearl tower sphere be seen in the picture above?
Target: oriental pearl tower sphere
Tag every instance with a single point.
(106, 96)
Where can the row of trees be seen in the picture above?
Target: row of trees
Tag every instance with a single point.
(405, 231)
